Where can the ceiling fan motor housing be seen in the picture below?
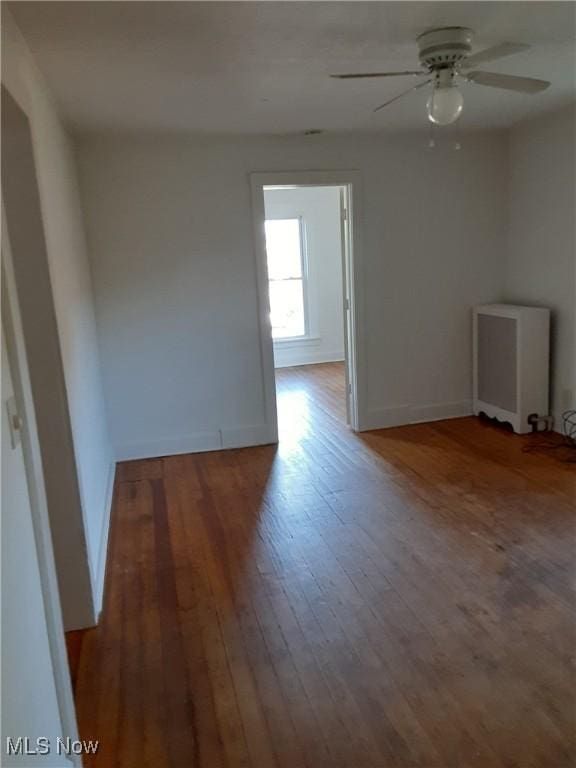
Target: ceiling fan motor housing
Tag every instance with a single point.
(445, 47)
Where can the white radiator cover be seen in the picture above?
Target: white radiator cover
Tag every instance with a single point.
(511, 367)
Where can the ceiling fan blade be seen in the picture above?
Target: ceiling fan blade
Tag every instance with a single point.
(495, 52)
(508, 82)
(401, 95)
(351, 76)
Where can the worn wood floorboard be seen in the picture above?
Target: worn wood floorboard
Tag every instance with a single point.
(397, 599)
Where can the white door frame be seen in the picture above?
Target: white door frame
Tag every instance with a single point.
(16, 351)
(351, 279)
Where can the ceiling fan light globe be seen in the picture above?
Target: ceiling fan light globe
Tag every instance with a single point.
(445, 105)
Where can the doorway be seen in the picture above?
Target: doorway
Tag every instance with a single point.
(307, 268)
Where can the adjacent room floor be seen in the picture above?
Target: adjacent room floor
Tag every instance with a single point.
(397, 598)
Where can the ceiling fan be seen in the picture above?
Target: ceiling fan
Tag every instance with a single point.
(446, 55)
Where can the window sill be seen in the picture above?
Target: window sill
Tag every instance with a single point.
(297, 341)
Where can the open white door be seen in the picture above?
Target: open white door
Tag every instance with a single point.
(347, 302)
(346, 296)
(37, 699)
(30, 707)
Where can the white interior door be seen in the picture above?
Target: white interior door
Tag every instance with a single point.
(344, 232)
(29, 696)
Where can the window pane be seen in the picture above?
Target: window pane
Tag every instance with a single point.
(283, 248)
(287, 308)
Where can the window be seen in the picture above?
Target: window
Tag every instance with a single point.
(286, 273)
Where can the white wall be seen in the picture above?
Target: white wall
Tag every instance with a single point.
(171, 239)
(541, 263)
(319, 208)
(71, 285)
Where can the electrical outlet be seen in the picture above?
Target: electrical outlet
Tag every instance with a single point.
(567, 400)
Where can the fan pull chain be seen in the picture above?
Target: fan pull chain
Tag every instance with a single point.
(458, 139)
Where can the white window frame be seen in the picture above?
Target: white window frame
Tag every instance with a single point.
(305, 279)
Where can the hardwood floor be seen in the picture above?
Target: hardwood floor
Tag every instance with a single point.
(391, 599)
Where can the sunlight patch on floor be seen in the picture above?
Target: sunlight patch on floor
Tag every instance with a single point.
(293, 420)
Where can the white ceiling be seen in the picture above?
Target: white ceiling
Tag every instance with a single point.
(262, 67)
